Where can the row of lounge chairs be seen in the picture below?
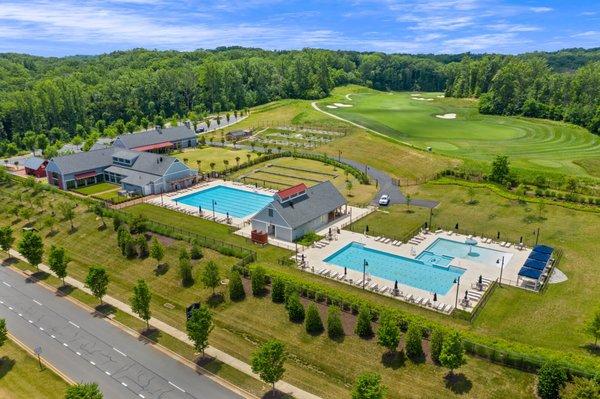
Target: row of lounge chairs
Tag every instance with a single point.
(385, 240)
(416, 240)
(320, 244)
(426, 302)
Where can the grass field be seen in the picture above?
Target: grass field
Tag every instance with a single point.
(214, 155)
(21, 378)
(530, 143)
(284, 172)
(98, 188)
(240, 327)
(554, 319)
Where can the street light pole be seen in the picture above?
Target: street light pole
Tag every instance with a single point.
(457, 281)
(501, 270)
(365, 264)
(430, 216)
(213, 208)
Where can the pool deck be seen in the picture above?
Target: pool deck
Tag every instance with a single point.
(314, 257)
(168, 201)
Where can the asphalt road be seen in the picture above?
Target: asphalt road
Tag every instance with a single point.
(87, 348)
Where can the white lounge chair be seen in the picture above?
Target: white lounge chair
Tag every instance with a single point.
(377, 238)
(334, 275)
(385, 290)
(418, 300)
(410, 297)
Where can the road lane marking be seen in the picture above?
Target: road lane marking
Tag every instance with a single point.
(52, 335)
(176, 387)
(123, 384)
(39, 303)
(118, 351)
(20, 314)
(41, 328)
(30, 321)
(10, 308)
(78, 354)
(141, 396)
(73, 324)
(2, 302)
(107, 373)
(6, 284)
(65, 344)
(92, 363)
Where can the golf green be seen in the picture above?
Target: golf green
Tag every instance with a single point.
(427, 120)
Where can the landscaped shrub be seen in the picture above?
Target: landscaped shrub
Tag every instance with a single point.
(335, 329)
(294, 308)
(551, 379)
(236, 288)
(196, 251)
(138, 224)
(363, 323)
(453, 352)
(258, 281)
(185, 271)
(413, 344)
(142, 246)
(435, 344)
(388, 333)
(313, 323)
(278, 290)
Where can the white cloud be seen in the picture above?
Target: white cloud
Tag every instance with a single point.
(479, 42)
(589, 33)
(541, 9)
(506, 27)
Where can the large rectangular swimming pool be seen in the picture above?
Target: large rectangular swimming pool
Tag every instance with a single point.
(238, 203)
(474, 253)
(413, 272)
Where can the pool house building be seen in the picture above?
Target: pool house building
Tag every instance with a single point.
(298, 210)
(159, 140)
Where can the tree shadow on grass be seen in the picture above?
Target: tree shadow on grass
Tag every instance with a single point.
(153, 334)
(419, 359)
(215, 300)
(9, 261)
(104, 310)
(592, 349)
(51, 233)
(65, 290)
(37, 276)
(393, 360)
(73, 230)
(161, 269)
(276, 394)
(6, 364)
(458, 383)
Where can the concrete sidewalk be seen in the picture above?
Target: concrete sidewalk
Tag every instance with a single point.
(182, 336)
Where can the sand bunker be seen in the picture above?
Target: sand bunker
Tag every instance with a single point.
(348, 97)
(422, 99)
(415, 94)
(342, 105)
(331, 106)
(446, 116)
(442, 96)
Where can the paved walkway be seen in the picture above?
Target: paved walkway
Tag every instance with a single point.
(182, 336)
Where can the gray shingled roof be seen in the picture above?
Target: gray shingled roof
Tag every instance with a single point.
(34, 162)
(151, 137)
(318, 200)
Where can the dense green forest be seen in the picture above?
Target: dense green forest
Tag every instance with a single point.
(45, 100)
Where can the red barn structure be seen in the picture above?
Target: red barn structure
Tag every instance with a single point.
(35, 166)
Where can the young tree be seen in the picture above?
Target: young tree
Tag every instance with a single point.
(196, 251)
(31, 247)
(349, 187)
(593, 327)
(67, 209)
(500, 169)
(99, 211)
(3, 332)
(157, 251)
(582, 388)
(294, 307)
(142, 245)
(199, 327)
(453, 352)
(413, 344)
(210, 276)
(49, 221)
(368, 386)
(236, 288)
(278, 290)
(57, 261)
(335, 329)
(84, 391)
(268, 362)
(140, 301)
(363, 323)
(313, 323)
(97, 282)
(388, 333)
(185, 271)
(258, 280)
(436, 344)
(551, 379)
(6, 238)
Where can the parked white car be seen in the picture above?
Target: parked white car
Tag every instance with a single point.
(384, 200)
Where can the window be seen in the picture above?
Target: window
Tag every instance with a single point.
(270, 212)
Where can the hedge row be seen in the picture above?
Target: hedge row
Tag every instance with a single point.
(516, 355)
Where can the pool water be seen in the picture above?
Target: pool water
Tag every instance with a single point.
(474, 253)
(239, 203)
(429, 258)
(427, 276)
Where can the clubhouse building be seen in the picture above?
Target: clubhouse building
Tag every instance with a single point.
(299, 210)
(135, 161)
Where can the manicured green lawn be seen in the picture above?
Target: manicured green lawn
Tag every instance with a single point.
(214, 155)
(97, 188)
(21, 378)
(285, 172)
(531, 143)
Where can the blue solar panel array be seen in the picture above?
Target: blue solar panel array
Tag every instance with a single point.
(536, 262)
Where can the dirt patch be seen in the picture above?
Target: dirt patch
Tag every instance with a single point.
(164, 240)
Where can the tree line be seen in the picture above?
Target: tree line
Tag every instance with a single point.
(49, 100)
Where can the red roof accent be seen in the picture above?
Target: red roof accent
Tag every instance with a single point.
(291, 191)
(84, 175)
(165, 144)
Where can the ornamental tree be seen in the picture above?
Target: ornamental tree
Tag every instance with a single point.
(388, 333)
(268, 362)
(97, 282)
(84, 391)
(199, 327)
(551, 379)
(363, 323)
(31, 247)
(210, 276)
(453, 352)
(236, 288)
(413, 343)
(368, 386)
(57, 261)
(140, 301)
(313, 323)
(335, 329)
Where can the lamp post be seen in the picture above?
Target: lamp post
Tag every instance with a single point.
(339, 155)
(213, 208)
(457, 281)
(365, 264)
(537, 236)
(501, 270)
(430, 216)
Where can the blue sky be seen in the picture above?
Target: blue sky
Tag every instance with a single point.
(67, 27)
